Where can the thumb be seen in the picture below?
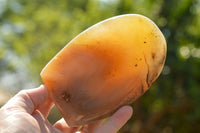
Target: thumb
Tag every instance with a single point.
(28, 100)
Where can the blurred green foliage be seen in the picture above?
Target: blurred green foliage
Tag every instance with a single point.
(34, 31)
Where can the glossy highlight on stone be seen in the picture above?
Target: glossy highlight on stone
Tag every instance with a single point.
(106, 66)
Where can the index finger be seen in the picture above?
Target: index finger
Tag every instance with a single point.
(116, 121)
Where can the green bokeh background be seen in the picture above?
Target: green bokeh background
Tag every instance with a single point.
(33, 31)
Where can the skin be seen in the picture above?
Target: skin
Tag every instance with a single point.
(27, 111)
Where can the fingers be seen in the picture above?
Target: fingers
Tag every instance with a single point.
(116, 121)
(111, 126)
(34, 98)
(43, 123)
(48, 105)
(64, 128)
(29, 100)
(91, 128)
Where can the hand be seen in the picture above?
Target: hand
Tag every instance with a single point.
(26, 112)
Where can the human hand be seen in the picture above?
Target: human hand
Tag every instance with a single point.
(27, 112)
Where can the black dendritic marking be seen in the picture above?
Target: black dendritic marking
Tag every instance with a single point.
(153, 55)
(147, 77)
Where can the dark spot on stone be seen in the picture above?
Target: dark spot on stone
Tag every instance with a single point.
(136, 65)
(145, 42)
(66, 96)
(98, 42)
(153, 55)
(140, 59)
(109, 73)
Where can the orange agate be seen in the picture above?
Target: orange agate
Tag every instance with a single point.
(107, 66)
